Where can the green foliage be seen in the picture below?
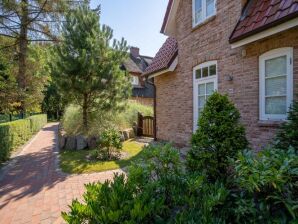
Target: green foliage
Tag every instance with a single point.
(146, 196)
(37, 122)
(100, 121)
(14, 134)
(268, 183)
(218, 138)
(110, 145)
(86, 64)
(288, 135)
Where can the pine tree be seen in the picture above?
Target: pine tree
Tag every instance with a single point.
(219, 137)
(288, 135)
(87, 66)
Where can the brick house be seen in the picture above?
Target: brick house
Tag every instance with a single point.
(135, 65)
(246, 49)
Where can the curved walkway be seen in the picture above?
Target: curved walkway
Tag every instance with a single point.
(33, 189)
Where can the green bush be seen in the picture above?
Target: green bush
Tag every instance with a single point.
(37, 122)
(110, 145)
(288, 135)
(267, 186)
(219, 137)
(101, 121)
(16, 133)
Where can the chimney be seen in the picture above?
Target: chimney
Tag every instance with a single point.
(135, 51)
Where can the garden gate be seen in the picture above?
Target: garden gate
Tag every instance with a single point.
(145, 125)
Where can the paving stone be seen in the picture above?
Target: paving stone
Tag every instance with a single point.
(33, 190)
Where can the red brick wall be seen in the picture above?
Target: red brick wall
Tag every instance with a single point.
(210, 42)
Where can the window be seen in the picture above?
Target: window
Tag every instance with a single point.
(202, 10)
(205, 83)
(276, 84)
(135, 80)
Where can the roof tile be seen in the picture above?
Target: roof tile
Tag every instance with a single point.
(164, 57)
(263, 14)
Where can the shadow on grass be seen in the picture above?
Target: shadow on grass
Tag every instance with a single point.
(76, 162)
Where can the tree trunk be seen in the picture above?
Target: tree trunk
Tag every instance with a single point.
(85, 113)
(23, 47)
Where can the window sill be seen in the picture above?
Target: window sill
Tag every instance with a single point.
(270, 124)
(195, 27)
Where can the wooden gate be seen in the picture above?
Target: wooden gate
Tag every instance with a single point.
(145, 125)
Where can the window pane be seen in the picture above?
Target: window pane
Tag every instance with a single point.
(202, 90)
(212, 70)
(276, 86)
(210, 8)
(198, 73)
(205, 72)
(202, 101)
(276, 66)
(276, 105)
(210, 88)
(198, 11)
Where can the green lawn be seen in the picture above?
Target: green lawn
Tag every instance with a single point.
(75, 161)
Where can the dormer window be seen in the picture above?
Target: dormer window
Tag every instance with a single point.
(202, 10)
(135, 80)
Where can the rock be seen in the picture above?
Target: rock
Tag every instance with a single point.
(132, 133)
(62, 141)
(92, 142)
(125, 135)
(70, 143)
(81, 142)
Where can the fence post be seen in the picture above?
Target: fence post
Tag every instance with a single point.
(140, 124)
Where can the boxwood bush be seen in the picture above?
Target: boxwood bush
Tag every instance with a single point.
(15, 133)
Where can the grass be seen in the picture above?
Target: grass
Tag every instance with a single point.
(74, 162)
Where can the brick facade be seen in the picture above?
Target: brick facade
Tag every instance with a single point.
(207, 42)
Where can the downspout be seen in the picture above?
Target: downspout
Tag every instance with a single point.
(154, 107)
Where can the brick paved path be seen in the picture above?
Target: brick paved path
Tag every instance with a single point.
(33, 190)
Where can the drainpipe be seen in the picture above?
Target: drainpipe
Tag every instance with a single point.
(154, 107)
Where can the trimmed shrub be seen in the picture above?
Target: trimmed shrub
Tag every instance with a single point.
(219, 137)
(37, 122)
(288, 135)
(16, 133)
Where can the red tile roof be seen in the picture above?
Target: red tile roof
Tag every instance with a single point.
(164, 57)
(259, 15)
(165, 20)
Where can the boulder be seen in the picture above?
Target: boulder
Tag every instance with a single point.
(81, 142)
(92, 142)
(62, 141)
(70, 143)
(125, 135)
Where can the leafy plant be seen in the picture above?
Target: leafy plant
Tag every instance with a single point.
(219, 137)
(268, 182)
(110, 145)
(288, 135)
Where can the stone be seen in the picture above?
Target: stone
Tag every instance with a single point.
(70, 143)
(125, 135)
(92, 142)
(121, 136)
(62, 141)
(81, 142)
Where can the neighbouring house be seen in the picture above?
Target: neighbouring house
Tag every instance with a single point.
(246, 49)
(135, 65)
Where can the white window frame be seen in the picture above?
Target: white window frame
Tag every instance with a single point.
(196, 83)
(135, 80)
(204, 12)
(288, 51)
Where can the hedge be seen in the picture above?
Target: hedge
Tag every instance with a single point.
(16, 133)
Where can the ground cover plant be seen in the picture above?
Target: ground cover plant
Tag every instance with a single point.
(160, 188)
(78, 162)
